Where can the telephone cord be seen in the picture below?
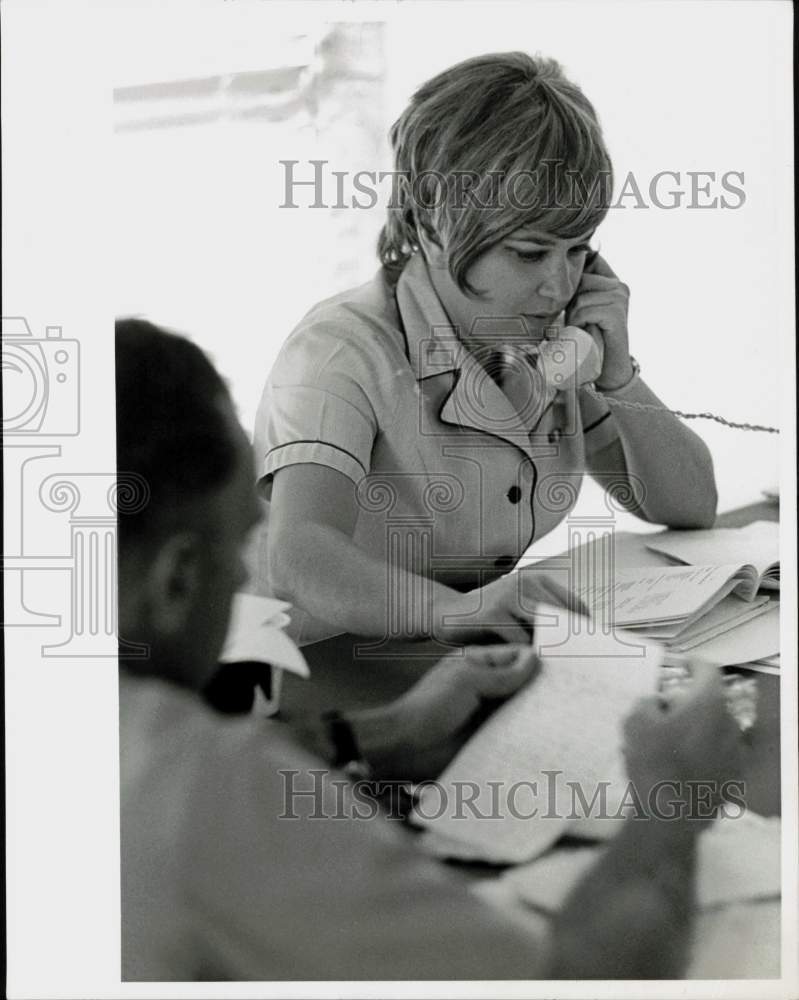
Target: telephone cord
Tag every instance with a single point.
(629, 405)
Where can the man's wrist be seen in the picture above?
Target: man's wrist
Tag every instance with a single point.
(375, 737)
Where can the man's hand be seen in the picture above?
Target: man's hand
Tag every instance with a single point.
(503, 611)
(688, 739)
(416, 736)
(601, 305)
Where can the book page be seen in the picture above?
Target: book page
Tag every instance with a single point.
(728, 613)
(659, 596)
(524, 772)
(757, 544)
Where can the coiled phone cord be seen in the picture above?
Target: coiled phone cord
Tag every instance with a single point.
(629, 405)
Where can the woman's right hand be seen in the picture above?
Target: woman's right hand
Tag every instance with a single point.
(502, 611)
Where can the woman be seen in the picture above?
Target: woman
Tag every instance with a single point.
(410, 444)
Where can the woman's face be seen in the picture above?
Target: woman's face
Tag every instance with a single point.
(530, 276)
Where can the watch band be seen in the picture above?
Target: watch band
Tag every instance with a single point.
(347, 754)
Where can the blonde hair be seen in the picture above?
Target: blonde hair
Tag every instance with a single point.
(471, 148)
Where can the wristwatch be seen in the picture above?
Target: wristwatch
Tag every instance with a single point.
(397, 798)
(347, 755)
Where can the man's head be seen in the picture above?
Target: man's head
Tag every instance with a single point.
(180, 554)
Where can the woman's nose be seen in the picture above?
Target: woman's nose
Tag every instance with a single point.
(557, 286)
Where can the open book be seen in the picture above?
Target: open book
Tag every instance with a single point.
(755, 548)
(715, 611)
(667, 599)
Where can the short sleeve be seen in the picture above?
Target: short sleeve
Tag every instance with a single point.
(317, 408)
(599, 427)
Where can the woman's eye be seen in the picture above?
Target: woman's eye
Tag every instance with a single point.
(530, 254)
(576, 251)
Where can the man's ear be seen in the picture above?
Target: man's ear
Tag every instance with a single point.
(174, 581)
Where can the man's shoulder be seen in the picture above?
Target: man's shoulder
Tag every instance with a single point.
(169, 737)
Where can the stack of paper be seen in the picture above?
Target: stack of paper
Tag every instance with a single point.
(667, 601)
(765, 665)
(750, 642)
(733, 632)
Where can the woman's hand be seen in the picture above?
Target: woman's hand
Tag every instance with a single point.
(416, 736)
(502, 611)
(600, 306)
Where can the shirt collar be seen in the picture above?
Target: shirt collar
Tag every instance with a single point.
(433, 343)
(434, 348)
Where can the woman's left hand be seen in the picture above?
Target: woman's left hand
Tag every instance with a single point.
(600, 306)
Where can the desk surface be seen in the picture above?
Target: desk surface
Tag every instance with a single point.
(737, 941)
(351, 672)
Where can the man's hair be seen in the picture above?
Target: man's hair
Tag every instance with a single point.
(174, 441)
(489, 145)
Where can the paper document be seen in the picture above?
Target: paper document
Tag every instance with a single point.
(661, 596)
(565, 727)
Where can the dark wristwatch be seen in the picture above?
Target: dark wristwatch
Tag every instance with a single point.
(346, 753)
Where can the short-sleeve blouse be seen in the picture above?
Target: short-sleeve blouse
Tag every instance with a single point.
(451, 484)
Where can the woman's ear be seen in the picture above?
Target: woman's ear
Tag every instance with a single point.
(174, 583)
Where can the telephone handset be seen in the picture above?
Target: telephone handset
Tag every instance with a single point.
(572, 357)
(569, 358)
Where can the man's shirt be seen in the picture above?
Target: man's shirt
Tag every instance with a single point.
(219, 883)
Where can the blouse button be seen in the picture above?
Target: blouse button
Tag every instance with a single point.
(555, 435)
(514, 494)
